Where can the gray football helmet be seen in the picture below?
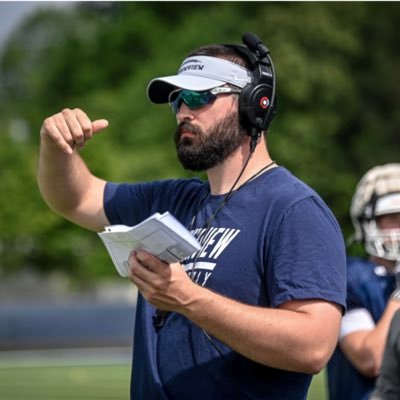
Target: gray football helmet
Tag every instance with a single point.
(377, 193)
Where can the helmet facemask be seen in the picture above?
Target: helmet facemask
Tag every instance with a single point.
(383, 243)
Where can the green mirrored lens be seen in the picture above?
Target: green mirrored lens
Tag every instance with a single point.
(192, 99)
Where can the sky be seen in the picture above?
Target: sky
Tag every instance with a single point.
(12, 13)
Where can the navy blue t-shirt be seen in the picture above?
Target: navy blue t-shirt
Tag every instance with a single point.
(275, 240)
(369, 289)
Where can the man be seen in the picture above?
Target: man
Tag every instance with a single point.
(257, 310)
(373, 296)
(388, 383)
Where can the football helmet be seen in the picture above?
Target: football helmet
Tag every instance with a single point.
(377, 194)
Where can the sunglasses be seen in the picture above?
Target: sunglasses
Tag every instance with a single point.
(195, 100)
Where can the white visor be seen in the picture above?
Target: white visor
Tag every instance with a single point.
(198, 73)
(388, 204)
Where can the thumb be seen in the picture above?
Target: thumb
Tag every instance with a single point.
(99, 125)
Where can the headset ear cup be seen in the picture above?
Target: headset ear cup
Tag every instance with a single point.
(245, 107)
(254, 106)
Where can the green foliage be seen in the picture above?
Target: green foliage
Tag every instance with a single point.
(337, 81)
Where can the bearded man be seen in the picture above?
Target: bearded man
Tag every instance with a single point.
(256, 312)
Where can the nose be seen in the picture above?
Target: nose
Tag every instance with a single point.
(184, 113)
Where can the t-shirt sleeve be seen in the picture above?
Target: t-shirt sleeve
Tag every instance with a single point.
(126, 203)
(306, 256)
(131, 203)
(358, 319)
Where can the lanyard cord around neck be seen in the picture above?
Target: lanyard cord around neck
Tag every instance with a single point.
(207, 225)
(206, 230)
(160, 315)
(230, 194)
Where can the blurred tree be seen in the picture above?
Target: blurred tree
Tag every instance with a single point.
(337, 82)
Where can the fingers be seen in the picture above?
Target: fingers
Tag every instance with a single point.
(56, 131)
(147, 269)
(70, 129)
(99, 125)
(139, 265)
(165, 286)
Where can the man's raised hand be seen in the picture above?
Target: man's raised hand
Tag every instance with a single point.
(70, 129)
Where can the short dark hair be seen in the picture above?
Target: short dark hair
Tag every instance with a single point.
(221, 51)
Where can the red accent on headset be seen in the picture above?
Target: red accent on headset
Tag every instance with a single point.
(264, 102)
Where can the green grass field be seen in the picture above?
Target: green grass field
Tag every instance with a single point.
(318, 387)
(82, 382)
(65, 383)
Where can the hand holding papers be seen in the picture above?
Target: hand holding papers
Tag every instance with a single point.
(161, 235)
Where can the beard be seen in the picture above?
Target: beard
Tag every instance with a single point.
(205, 151)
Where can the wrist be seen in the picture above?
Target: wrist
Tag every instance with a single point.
(196, 302)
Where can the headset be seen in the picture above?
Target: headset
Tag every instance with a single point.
(257, 101)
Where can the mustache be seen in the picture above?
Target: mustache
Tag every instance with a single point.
(186, 126)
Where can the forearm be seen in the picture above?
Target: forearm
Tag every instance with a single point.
(66, 184)
(374, 343)
(287, 339)
(365, 348)
(298, 336)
